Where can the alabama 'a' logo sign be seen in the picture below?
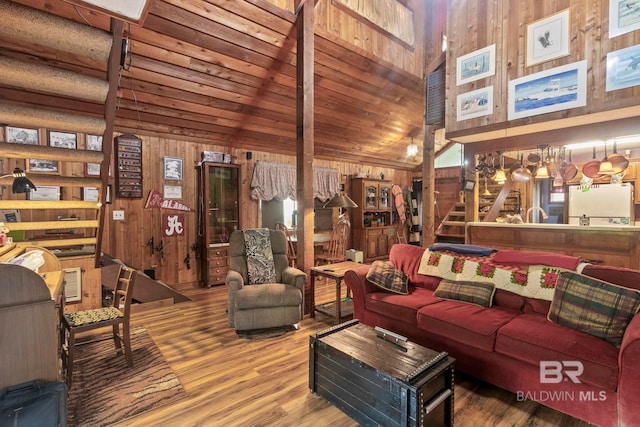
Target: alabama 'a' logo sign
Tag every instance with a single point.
(173, 224)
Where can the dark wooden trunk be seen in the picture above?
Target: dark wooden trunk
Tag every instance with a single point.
(378, 382)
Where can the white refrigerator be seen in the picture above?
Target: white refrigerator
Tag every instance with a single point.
(602, 204)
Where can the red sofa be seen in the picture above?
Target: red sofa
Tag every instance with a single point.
(505, 343)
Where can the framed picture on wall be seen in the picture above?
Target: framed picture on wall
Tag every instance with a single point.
(172, 192)
(42, 165)
(551, 90)
(548, 38)
(22, 136)
(622, 68)
(63, 140)
(173, 168)
(45, 192)
(476, 65)
(90, 194)
(476, 103)
(624, 17)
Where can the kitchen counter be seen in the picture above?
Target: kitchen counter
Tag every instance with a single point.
(536, 225)
(617, 245)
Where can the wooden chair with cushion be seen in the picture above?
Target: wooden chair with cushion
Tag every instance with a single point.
(117, 315)
(291, 249)
(272, 297)
(336, 248)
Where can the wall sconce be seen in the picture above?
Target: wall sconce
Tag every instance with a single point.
(412, 149)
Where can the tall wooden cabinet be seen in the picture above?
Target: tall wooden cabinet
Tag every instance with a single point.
(219, 216)
(373, 232)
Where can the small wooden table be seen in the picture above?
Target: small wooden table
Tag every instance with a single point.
(338, 309)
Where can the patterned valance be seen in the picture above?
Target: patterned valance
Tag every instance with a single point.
(278, 181)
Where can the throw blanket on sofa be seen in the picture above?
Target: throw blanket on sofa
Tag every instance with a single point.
(534, 281)
(260, 265)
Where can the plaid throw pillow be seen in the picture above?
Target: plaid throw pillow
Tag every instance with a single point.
(387, 277)
(592, 306)
(479, 293)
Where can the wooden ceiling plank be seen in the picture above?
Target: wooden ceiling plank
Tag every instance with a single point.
(206, 90)
(187, 101)
(223, 33)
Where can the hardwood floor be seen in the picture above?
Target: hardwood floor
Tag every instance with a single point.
(232, 381)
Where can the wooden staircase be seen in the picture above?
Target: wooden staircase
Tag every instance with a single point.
(452, 227)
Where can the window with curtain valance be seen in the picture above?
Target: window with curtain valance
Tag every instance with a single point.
(273, 180)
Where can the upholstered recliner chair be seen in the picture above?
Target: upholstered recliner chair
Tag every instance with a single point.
(264, 291)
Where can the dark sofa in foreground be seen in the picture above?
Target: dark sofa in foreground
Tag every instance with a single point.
(512, 343)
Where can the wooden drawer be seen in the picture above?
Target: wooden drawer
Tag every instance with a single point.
(372, 232)
(218, 262)
(217, 272)
(218, 252)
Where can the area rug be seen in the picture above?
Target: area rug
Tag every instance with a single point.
(106, 391)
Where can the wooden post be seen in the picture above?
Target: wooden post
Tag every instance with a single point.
(428, 186)
(113, 67)
(305, 143)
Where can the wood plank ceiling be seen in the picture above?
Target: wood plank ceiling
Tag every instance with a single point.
(223, 72)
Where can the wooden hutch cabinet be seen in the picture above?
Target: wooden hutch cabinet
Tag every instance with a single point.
(371, 223)
(219, 216)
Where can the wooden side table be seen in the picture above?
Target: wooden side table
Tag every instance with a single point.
(339, 309)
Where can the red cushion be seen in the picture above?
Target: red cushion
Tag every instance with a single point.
(407, 258)
(508, 299)
(468, 323)
(534, 305)
(532, 338)
(618, 275)
(400, 307)
(518, 257)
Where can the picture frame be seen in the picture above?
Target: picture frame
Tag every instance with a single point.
(94, 143)
(622, 68)
(469, 185)
(173, 168)
(26, 136)
(63, 140)
(556, 89)
(45, 192)
(172, 192)
(42, 165)
(72, 284)
(476, 65)
(476, 103)
(90, 194)
(548, 38)
(622, 19)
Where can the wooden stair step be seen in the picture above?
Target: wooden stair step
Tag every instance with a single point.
(454, 223)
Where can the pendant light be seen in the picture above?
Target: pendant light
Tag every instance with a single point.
(486, 191)
(412, 149)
